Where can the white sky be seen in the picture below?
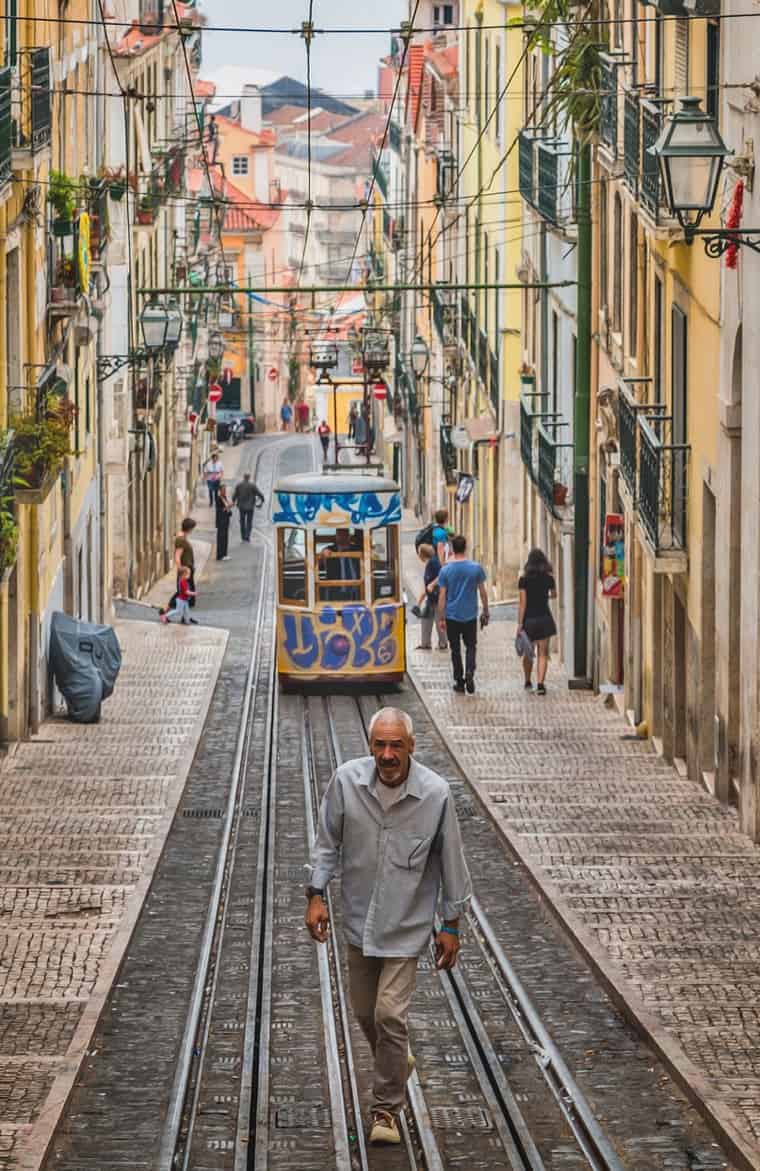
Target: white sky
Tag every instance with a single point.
(341, 64)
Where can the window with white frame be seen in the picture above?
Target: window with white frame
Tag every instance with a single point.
(240, 164)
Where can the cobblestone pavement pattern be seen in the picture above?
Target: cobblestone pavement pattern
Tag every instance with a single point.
(649, 872)
(85, 812)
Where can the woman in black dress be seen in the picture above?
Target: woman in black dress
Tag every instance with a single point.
(223, 517)
(536, 586)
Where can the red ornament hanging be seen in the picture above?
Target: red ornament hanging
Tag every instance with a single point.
(733, 220)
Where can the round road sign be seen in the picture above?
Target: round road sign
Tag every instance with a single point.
(215, 393)
(272, 373)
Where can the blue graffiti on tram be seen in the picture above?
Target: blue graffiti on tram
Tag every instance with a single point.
(357, 508)
(355, 638)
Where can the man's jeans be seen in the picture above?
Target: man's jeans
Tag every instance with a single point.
(246, 523)
(468, 632)
(213, 491)
(381, 990)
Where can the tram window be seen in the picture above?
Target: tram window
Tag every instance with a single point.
(292, 557)
(339, 558)
(384, 565)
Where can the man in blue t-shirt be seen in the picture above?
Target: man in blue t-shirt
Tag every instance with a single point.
(441, 535)
(459, 583)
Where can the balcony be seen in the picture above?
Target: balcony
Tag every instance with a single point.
(379, 174)
(439, 312)
(394, 137)
(6, 126)
(465, 322)
(97, 207)
(530, 414)
(31, 107)
(608, 114)
(631, 142)
(548, 180)
(482, 356)
(650, 196)
(555, 465)
(525, 144)
(662, 487)
(494, 382)
(629, 407)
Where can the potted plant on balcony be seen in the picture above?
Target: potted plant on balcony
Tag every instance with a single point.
(115, 180)
(65, 281)
(62, 197)
(42, 440)
(559, 494)
(527, 374)
(146, 209)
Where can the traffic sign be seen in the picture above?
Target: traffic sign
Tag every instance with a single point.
(379, 390)
(215, 393)
(273, 373)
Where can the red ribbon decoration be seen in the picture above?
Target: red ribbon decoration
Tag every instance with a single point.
(733, 220)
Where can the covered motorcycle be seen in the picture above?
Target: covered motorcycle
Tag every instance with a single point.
(85, 660)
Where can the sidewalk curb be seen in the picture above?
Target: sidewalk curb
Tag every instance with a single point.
(719, 1117)
(39, 1135)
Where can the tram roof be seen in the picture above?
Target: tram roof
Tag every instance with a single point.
(316, 483)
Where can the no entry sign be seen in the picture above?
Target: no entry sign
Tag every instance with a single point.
(272, 373)
(215, 393)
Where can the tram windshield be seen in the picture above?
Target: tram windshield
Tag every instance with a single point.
(339, 558)
(384, 564)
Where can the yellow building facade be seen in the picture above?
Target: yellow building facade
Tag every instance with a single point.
(657, 317)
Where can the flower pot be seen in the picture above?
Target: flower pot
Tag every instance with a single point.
(57, 294)
(559, 494)
(117, 191)
(63, 228)
(145, 216)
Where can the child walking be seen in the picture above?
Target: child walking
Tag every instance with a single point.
(184, 594)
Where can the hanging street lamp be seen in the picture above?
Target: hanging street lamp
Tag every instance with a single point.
(174, 326)
(154, 322)
(691, 152)
(419, 356)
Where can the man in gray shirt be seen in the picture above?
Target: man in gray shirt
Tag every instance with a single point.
(390, 823)
(246, 496)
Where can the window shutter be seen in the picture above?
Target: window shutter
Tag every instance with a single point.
(681, 49)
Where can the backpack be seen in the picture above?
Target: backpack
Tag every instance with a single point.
(424, 536)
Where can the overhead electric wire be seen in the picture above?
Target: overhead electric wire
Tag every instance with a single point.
(307, 35)
(368, 194)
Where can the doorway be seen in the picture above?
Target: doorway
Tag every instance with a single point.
(707, 724)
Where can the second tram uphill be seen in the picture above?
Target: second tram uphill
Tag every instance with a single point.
(340, 613)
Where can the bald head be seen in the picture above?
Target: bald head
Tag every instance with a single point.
(391, 742)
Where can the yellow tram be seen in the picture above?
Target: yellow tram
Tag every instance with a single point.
(340, 614)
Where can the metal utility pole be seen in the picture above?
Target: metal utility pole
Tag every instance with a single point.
(582, 403)
(251, 363)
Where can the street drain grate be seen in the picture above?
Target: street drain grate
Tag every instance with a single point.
(302, 1116)
(460, 1118)
(203, 813)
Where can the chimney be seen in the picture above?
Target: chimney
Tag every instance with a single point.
(250, 108)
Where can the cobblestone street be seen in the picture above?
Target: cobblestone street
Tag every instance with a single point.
(649, 873)
(85, 813)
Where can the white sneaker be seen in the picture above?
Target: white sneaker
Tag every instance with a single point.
(384, 1128)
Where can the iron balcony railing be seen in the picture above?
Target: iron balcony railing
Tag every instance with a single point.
(6, 135)
(548, 180)
(31, 116)
(629, 408)
(394, 137)
(662, 484)
(649, 186)
(555, 465)
(631, 142)
(473, 339)
(483, 357)
(378, 170)
(439, 315)
(525, 145)
(608, 114)
(530, 413)
(387, 225)
(494, 383)
(7, 501)
(448, 453)
(464, 322)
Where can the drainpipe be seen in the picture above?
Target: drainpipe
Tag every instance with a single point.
(582, 405)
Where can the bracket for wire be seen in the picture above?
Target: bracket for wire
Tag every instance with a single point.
(307, 31)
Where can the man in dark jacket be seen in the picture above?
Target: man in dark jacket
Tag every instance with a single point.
(247, 497)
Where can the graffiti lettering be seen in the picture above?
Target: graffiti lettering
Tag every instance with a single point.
(337, 508)
(356, 639)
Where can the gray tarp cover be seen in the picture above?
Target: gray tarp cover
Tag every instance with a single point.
(85, 659)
